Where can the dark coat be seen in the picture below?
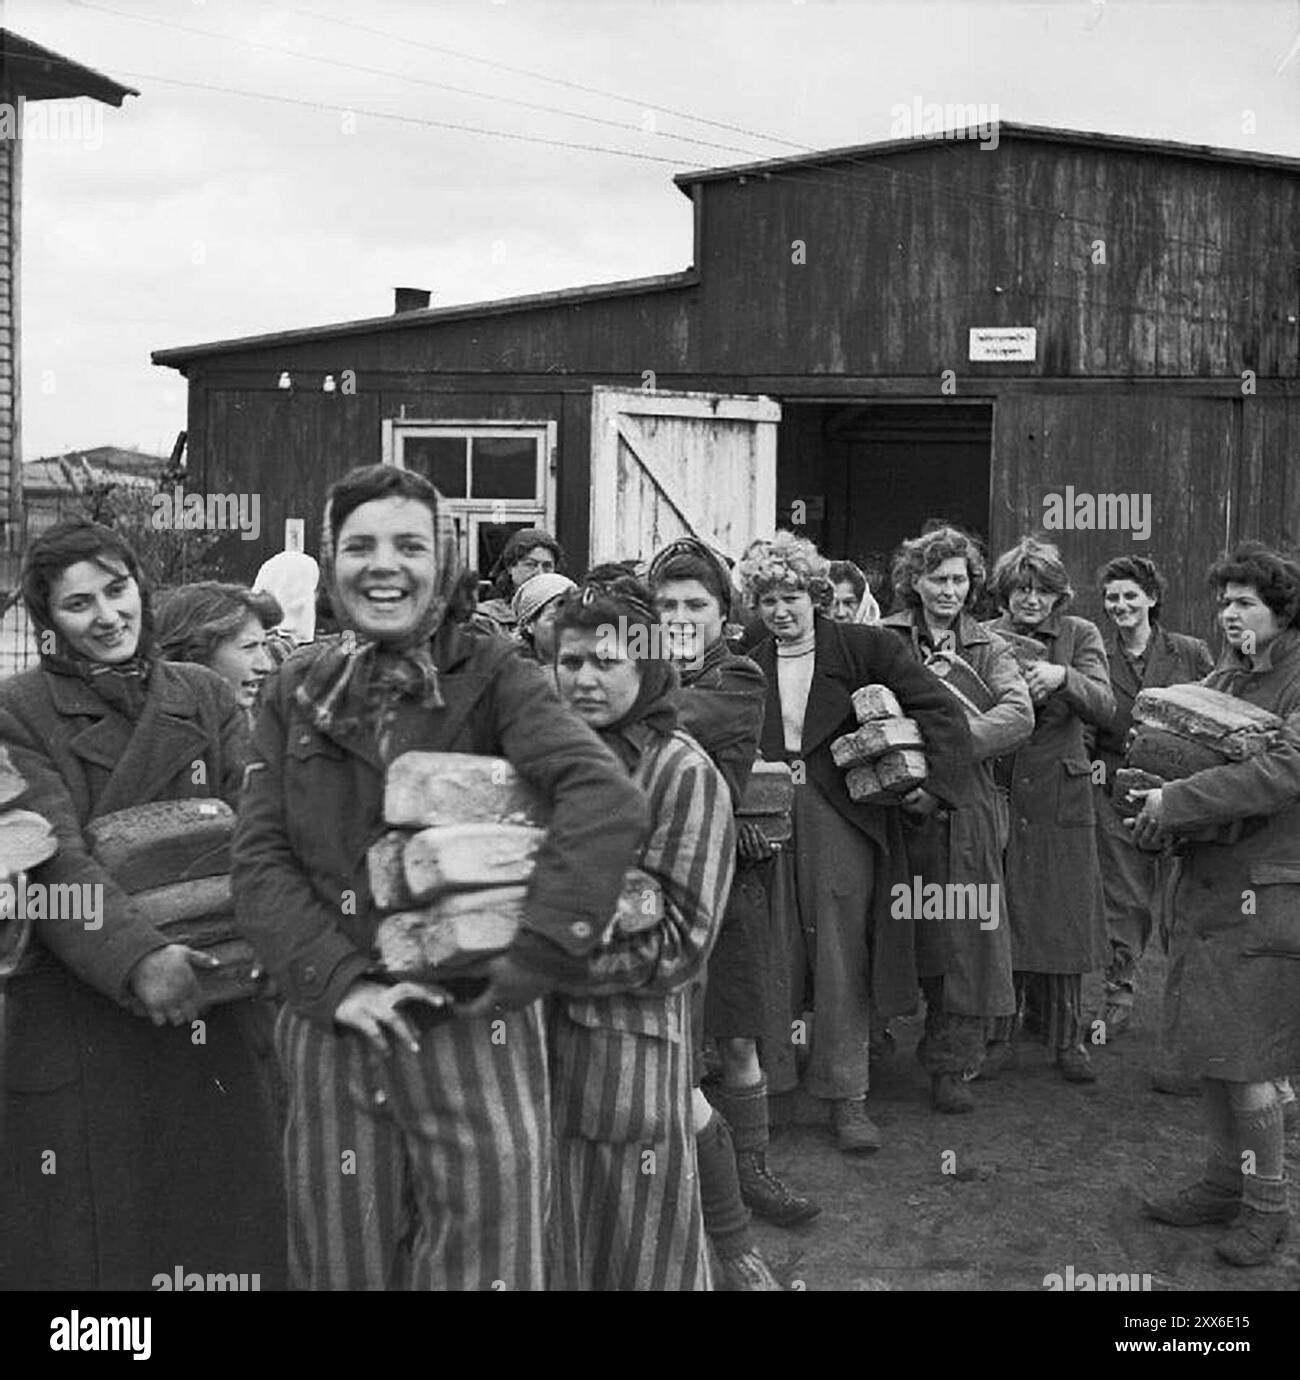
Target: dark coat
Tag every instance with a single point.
(1232, 994)
(847, 657)
(165, 1147)
(314, 805)
(1172, 659)
(1054, 895)
(721, 707)
(968, 845)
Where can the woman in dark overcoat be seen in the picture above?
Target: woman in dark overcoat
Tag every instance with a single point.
(1054, 896)
(1142, 654)
(1232, 993)
(964, 961)
(845, 941)
(157, 1122)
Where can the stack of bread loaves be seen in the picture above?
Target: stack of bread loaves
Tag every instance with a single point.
(1179, 730)
(884, 756)
(454, 867)
(172, 858)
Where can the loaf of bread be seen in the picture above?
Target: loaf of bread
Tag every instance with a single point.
(166, 906)
(387, 874)
(963, 681)
(1235, 728)
(427, 789)
(774, 828)
(460, 856)
(1170, 755)
(1026, 650)
(876, 702)
(26, 839)
(12, 784)
(873, 739)
(769, 790)
(882, 782)
(164, 842)
(463, 928)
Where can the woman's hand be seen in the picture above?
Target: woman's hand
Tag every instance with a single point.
(371, 1009)
(751, 842)
(165, 985)
(1044, 679)
(920, 802)
(1148, 824)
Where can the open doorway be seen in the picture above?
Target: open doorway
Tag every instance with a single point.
(869, 475)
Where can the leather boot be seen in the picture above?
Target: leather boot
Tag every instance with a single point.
(762, 1191)
(950, 1094)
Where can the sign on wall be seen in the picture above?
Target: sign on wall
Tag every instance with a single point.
(1003, 343)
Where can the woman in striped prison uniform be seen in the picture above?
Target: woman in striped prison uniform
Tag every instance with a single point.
(417, 1151)
(627, 1212)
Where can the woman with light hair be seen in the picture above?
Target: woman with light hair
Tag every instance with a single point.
(844, 942)
(965, 964)
(1054, 893)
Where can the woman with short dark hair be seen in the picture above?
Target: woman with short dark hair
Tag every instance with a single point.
(528, 552)
(1142, 653)
(152, 1106)
(450, 1124)
(1232, 992)
(621, 1033)
(1054, 896)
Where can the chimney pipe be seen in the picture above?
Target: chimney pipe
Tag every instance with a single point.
(410, 299)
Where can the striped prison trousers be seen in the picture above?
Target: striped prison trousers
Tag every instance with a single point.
(425, 1171)
(626, 1213)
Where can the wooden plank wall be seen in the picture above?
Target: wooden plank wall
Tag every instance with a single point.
(10, 382)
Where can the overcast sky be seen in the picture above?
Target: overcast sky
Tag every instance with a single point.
(193, 215)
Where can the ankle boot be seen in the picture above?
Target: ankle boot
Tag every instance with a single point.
(1261, 1225)
(950, 1094)
(761, 1190)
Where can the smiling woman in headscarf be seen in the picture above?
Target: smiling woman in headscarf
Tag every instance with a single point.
(622, 1038)
(451, 1123)
(163, 1143)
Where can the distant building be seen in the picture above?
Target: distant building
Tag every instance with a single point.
(52, 485)
(28, 72)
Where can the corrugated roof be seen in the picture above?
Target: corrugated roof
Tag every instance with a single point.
(40, 74)
(969, 134)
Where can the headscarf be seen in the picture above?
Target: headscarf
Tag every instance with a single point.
(357, 681)
(533, 595)
(292, 577)
(653, 709)
(122, 684)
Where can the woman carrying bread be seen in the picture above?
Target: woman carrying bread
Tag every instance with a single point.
(417, 1153)
(847, 947)
(1232, 992)
(139, 1135)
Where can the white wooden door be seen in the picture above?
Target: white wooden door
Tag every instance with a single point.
(668, 465)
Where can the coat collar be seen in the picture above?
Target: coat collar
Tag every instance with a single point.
(143, 756)
(970, 633)
(828, 702)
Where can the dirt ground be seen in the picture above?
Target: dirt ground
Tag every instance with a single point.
(1047, 1174)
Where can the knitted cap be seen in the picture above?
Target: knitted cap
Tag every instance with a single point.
(533, 595)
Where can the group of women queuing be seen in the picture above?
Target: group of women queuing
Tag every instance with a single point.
(591, 1110)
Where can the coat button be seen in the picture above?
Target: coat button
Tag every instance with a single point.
(580, 929)
(304, 738)
(309, 973)
(380, 1098)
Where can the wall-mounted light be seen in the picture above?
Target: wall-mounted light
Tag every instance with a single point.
(285, 381)
(329, 385)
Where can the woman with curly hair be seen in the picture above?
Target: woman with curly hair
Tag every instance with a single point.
(964, 962)
(1232, 993)
(1142, 653)
(846, 945)
(1058, 915)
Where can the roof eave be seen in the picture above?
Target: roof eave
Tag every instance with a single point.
(45, 75)
(179, 356)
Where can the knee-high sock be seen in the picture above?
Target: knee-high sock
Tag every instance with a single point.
(746, 1112)
(1257, 1112)
(726, 1218)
